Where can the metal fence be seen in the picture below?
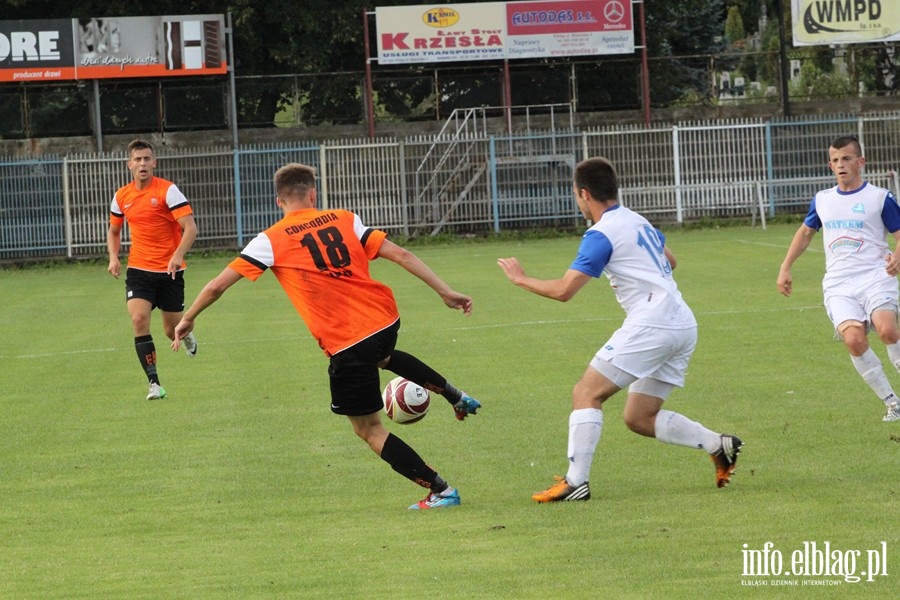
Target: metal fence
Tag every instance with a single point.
(419, 93)
(461, 181)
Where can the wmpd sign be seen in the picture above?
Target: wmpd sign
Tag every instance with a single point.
(828, 22)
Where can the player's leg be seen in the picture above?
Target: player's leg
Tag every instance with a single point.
(865, 361)
(410, 367)
(884, 320)
(848, 312)
(356, 393)
(140, 295)
(644, 415)
(394, 451)
(880, 302)
(664, 367)
(622, 359)
(170, 299)
(404, 460)
(600, 381)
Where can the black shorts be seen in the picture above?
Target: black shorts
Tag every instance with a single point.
(355, 377)
(159, 289)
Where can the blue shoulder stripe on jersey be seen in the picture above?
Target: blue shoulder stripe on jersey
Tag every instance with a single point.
(812, 219)
(593, 254)
(661, 235)
(890, 213)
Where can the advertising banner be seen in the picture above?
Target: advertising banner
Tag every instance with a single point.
(115, 47)
(37, 50)
(828, 22)
(449, 32)
(541, 29)
(501, 30)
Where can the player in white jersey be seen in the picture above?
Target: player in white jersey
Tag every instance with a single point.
(860, 283)
(649, 354)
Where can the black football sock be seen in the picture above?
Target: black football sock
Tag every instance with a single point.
(146, 352)
(407, 462)
(408, 366)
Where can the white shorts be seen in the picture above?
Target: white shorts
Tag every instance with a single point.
(648, 353)
(857, 301)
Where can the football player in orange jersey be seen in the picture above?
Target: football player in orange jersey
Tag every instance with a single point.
(162, 228)
(321, 259)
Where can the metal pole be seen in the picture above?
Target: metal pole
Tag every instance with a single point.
(507, 95)
(783, 59)
(98, 126)
(645, 69)
(67, 207)
(229, 32)
(370, 95)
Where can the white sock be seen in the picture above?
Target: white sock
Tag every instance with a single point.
(673, 428)
(893, 351)
(585, 427)
(869, 368)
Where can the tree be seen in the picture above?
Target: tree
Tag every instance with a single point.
(685, 28)
(734, 26)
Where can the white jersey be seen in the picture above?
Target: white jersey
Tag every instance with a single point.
(624, 246)
(854, 226)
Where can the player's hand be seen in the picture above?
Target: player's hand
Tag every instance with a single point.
(183, 328)
(172, 268)
(458, 301)
(893, 264)
(114, 268)
(785, 282)
(175, 264)
(512, 268)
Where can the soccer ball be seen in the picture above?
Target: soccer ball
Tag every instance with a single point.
(404, 401)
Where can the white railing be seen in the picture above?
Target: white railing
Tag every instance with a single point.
(59, 206)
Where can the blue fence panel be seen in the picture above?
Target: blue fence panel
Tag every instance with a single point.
(255, 197)
(32, 214)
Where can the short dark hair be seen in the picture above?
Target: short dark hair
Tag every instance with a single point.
(294, 180)
(847, 140)
(598, 176)
(139, 144)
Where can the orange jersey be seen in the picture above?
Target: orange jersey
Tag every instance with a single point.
(152, 215)
(321, 258)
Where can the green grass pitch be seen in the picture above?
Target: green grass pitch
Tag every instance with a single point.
(242, 484)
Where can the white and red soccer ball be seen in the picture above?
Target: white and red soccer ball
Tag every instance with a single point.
(404, 401)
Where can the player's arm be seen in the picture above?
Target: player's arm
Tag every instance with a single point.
(890, 216)
(188, 235)
(211, 292)
(561, 289)
(798, 245)
(414, 265)
(670, 257)
(113, 245)
(893, 260)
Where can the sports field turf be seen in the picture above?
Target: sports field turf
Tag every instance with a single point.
(242, 484)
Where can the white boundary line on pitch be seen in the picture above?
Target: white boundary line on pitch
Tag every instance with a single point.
(768, 245)
(620, 317)
(465, 328)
